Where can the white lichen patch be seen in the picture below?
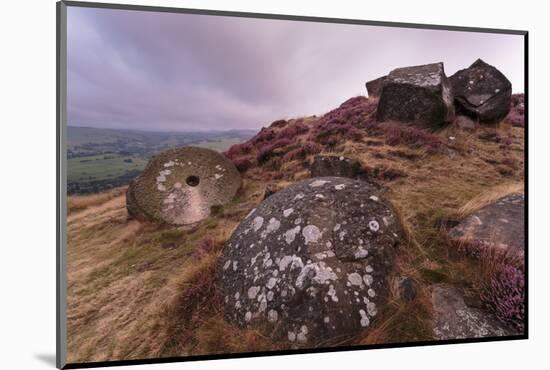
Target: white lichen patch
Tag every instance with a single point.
(364, 318)
(177, 185)
(218, 176)
(371, 292)
(272, 316)
(272, 225)
(374, 226)
(271, 282)
(311, 234)
(253, 292)
(291, 336)
(293, 261)
(299, 196)
(361, 253)
(336, 227)
(374, 197)
(318, 272)
(371, 309)
(169, 164)
(287, 212)
(317, 183)
(302, 335)
(355, 279)
(326, 320)
(367, 279)
(257, 223)
(247, 316)
(290, 235)
(369, 269)
(332, 293)
(339, 186)
(227, 264)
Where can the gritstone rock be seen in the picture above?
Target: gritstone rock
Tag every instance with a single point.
(179, 186)
(374, 87)
(309, 265)
(455, 320)
(328, 165)
(482, 91)
(420, 95)
(405, 288)
(499, 225)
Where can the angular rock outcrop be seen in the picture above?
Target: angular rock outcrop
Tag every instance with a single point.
(179, 186)
(420, 95)
(482, 91)
(455, 320)
(374, 87)
(498, 225)
(339, 166)
(309, 265)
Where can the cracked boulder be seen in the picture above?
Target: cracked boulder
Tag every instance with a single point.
(419, 95)
(481, 91)
(453, 319)
(497, 225)
(310, 264)
(179, 186)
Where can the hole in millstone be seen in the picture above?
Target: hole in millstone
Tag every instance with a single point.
(192, 180)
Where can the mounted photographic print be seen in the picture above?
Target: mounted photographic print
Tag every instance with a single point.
(235, 184)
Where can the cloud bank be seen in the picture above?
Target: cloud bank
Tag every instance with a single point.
(179, 72)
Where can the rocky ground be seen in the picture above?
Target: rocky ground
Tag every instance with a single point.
(140, 289)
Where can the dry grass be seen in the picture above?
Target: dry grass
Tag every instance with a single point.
(490, 196)
(139, 290)
(80, 202)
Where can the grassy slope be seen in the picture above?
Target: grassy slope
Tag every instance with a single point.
(140, 290)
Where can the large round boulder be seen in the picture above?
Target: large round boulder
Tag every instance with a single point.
(420, 95)
(179, 186)
(310, 264)
(482, 92)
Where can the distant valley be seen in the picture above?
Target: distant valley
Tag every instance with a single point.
(100, 159)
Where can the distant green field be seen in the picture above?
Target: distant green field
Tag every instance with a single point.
(219, 145)
(97, 167)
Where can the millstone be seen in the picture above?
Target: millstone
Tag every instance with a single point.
(179, 186)
(310, 264)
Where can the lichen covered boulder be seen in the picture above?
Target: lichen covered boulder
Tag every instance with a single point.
(453, 319)
(179, 186)
(310, 264)
(482, 92)
(419, 95)
(497, 225)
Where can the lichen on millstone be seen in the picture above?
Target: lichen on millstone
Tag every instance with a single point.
(179, 186)
(309, 265)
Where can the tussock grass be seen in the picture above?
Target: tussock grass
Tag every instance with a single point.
(489, 196)
(81, 202)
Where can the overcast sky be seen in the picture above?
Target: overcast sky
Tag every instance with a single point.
(179, 72)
